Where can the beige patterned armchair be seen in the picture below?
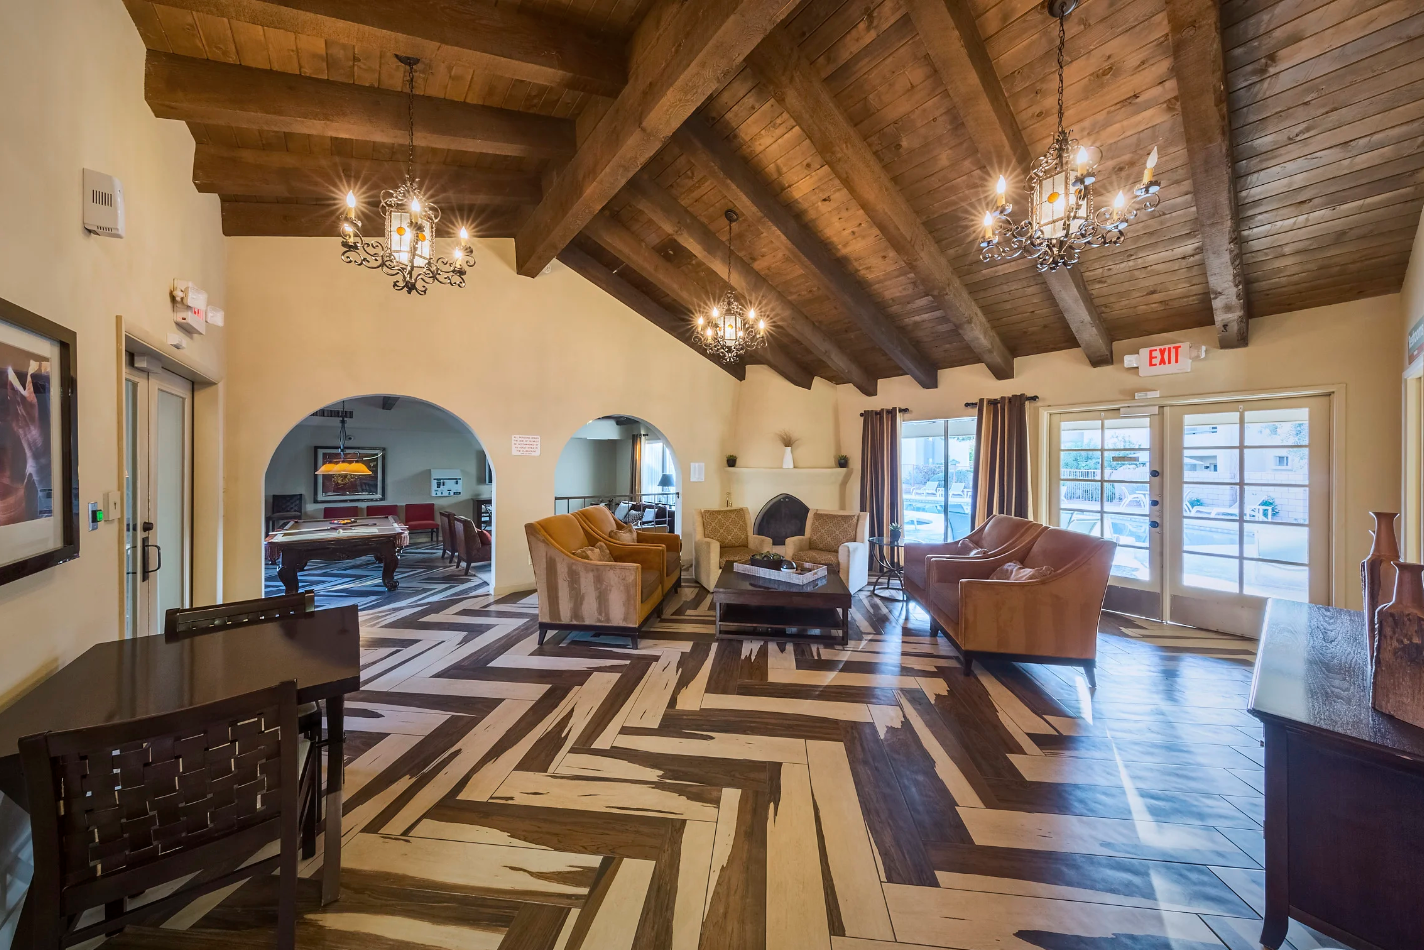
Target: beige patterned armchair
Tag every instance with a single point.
(837, 539)
(724, 535)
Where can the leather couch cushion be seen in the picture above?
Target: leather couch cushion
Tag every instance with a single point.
(726, 526)
(674, 564)
(652, 583)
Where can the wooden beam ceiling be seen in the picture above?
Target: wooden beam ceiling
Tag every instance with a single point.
(802, 93)
(221, 170)
(582, 263)
(1200, 69)
(472, 33)
(952, 39)
(681, 285)
(771, 304)
(681, 53)
(198, 90)
(719, 161)
(252, 218)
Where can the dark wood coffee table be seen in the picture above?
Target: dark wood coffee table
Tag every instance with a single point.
(757, 607)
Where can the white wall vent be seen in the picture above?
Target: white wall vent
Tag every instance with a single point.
(103, 204)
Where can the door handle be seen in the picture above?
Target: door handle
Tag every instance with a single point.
(1154, 524)
(146, 570)
(1155, 503)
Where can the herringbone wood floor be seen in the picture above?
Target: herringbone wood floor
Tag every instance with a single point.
(700, 794)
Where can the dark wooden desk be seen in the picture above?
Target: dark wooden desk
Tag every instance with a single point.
(145, 676)
(749, 604)
(1344, 786)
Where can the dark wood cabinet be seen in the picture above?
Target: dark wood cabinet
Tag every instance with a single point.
(1344, 786)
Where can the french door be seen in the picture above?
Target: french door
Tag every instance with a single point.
(1215, 507)
(158, 438)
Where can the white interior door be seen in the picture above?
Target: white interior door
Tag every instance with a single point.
(1248, 509)
(158, 439)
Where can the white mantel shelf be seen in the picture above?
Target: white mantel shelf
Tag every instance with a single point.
(744, 468)
(817, 487)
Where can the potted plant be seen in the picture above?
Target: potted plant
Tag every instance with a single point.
(787, 441)
(894, 532)
(842, 461)
(731, 461)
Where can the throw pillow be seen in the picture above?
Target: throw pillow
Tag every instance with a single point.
(485, 539)
(1014, 571)
(627, 534)
(829, 532)
(598, 553)
(726, 526)
(1005, 572)
(964, 548)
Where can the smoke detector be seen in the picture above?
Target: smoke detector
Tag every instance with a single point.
(103, 204)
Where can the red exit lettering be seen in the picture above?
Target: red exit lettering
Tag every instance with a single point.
(1165, 355)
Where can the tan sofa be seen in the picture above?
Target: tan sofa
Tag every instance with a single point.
(599, 522)
(1002, 536)
(823, 544)
(577, 594)
(1053, 619)
(724, 535)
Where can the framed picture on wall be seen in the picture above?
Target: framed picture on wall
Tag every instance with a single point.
(348, 487)
(39, 455)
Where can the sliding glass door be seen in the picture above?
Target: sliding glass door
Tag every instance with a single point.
(936, 478)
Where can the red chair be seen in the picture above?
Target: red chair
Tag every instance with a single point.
(422, 518)
(342, 511)
(375, 511)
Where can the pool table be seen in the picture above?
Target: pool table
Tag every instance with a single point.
(299, 542)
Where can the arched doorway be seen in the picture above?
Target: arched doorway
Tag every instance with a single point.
(624, 463)
(379, 500)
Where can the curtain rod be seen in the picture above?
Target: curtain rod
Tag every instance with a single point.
(898, 408)
(971, 405)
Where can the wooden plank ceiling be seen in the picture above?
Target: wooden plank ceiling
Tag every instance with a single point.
(858, 139)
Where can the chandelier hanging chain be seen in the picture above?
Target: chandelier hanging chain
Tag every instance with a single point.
(410, 110)
(406, 249)
(1063, 217)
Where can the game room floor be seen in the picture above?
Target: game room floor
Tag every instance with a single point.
(754, 794)
(424, 577)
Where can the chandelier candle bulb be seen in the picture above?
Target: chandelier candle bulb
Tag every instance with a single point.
(351, 204)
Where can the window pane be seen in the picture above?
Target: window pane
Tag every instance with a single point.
(1131, 433)
(1278, 466)
(1212, 573)
(1126, 497)
(1211, 428)
(923, 523)
(1131, 563)
(1080, 464)
(1126, 529)
(1277, 503)
(1210, 465)
(1278, 542)
(1277, 580)
(1210, 501)
(1083, 522)
(1278, 427)
(1082, 434)
(1211, 537)
(1080, 495)
(1127, 466)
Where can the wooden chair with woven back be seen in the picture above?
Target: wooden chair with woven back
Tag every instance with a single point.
(475, 544)
(447, 535)
(119, 809)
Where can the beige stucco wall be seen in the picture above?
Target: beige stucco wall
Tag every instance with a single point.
(1350, 348)
(1412, 294)
(507, 355)
(73, 79)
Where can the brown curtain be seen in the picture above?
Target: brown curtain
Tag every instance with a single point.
(880, 469)
(1001, 458)
(635, 483)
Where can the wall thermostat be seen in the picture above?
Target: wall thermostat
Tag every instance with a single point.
(103, 204)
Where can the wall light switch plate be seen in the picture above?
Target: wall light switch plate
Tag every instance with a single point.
(699, 472)
(96, 516)
(113, 505)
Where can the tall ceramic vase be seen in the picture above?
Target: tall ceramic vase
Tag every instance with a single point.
(786, 460)
(1377, 573)
(1397, 687)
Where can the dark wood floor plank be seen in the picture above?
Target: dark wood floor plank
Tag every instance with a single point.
(886, 814)
(535, 927)
(563, 829)
(736, 906)
(621, 693)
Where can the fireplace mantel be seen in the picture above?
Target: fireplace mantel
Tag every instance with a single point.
(817, 487)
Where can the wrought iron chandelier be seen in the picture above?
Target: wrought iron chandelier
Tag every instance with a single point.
(406, 250)
(731, 329)
(1063, 217)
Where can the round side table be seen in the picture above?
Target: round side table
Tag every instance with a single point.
(890, 576)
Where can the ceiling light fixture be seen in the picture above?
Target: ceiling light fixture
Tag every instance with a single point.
(730, 329)
(407, 249)
(1063, 217)
(344, 464)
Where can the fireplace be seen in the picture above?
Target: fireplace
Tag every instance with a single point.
(781, 518)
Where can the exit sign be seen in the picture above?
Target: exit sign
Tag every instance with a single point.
(1164, 360)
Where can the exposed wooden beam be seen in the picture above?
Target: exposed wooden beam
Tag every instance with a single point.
(952, 39)
(795, 84)
(681, 53)
(221, 170)
(289, 219)
(200, 90)
(772, 304)
(688, 290)
(738, 181)
(1195, 29)
(474, 33)
(582, 263)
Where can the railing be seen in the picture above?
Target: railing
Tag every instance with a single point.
(663, 506)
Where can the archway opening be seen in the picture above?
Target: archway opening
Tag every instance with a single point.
(624, 464)
(379, 500)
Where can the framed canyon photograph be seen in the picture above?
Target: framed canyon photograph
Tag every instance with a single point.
(39, 482)
(349, 487)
